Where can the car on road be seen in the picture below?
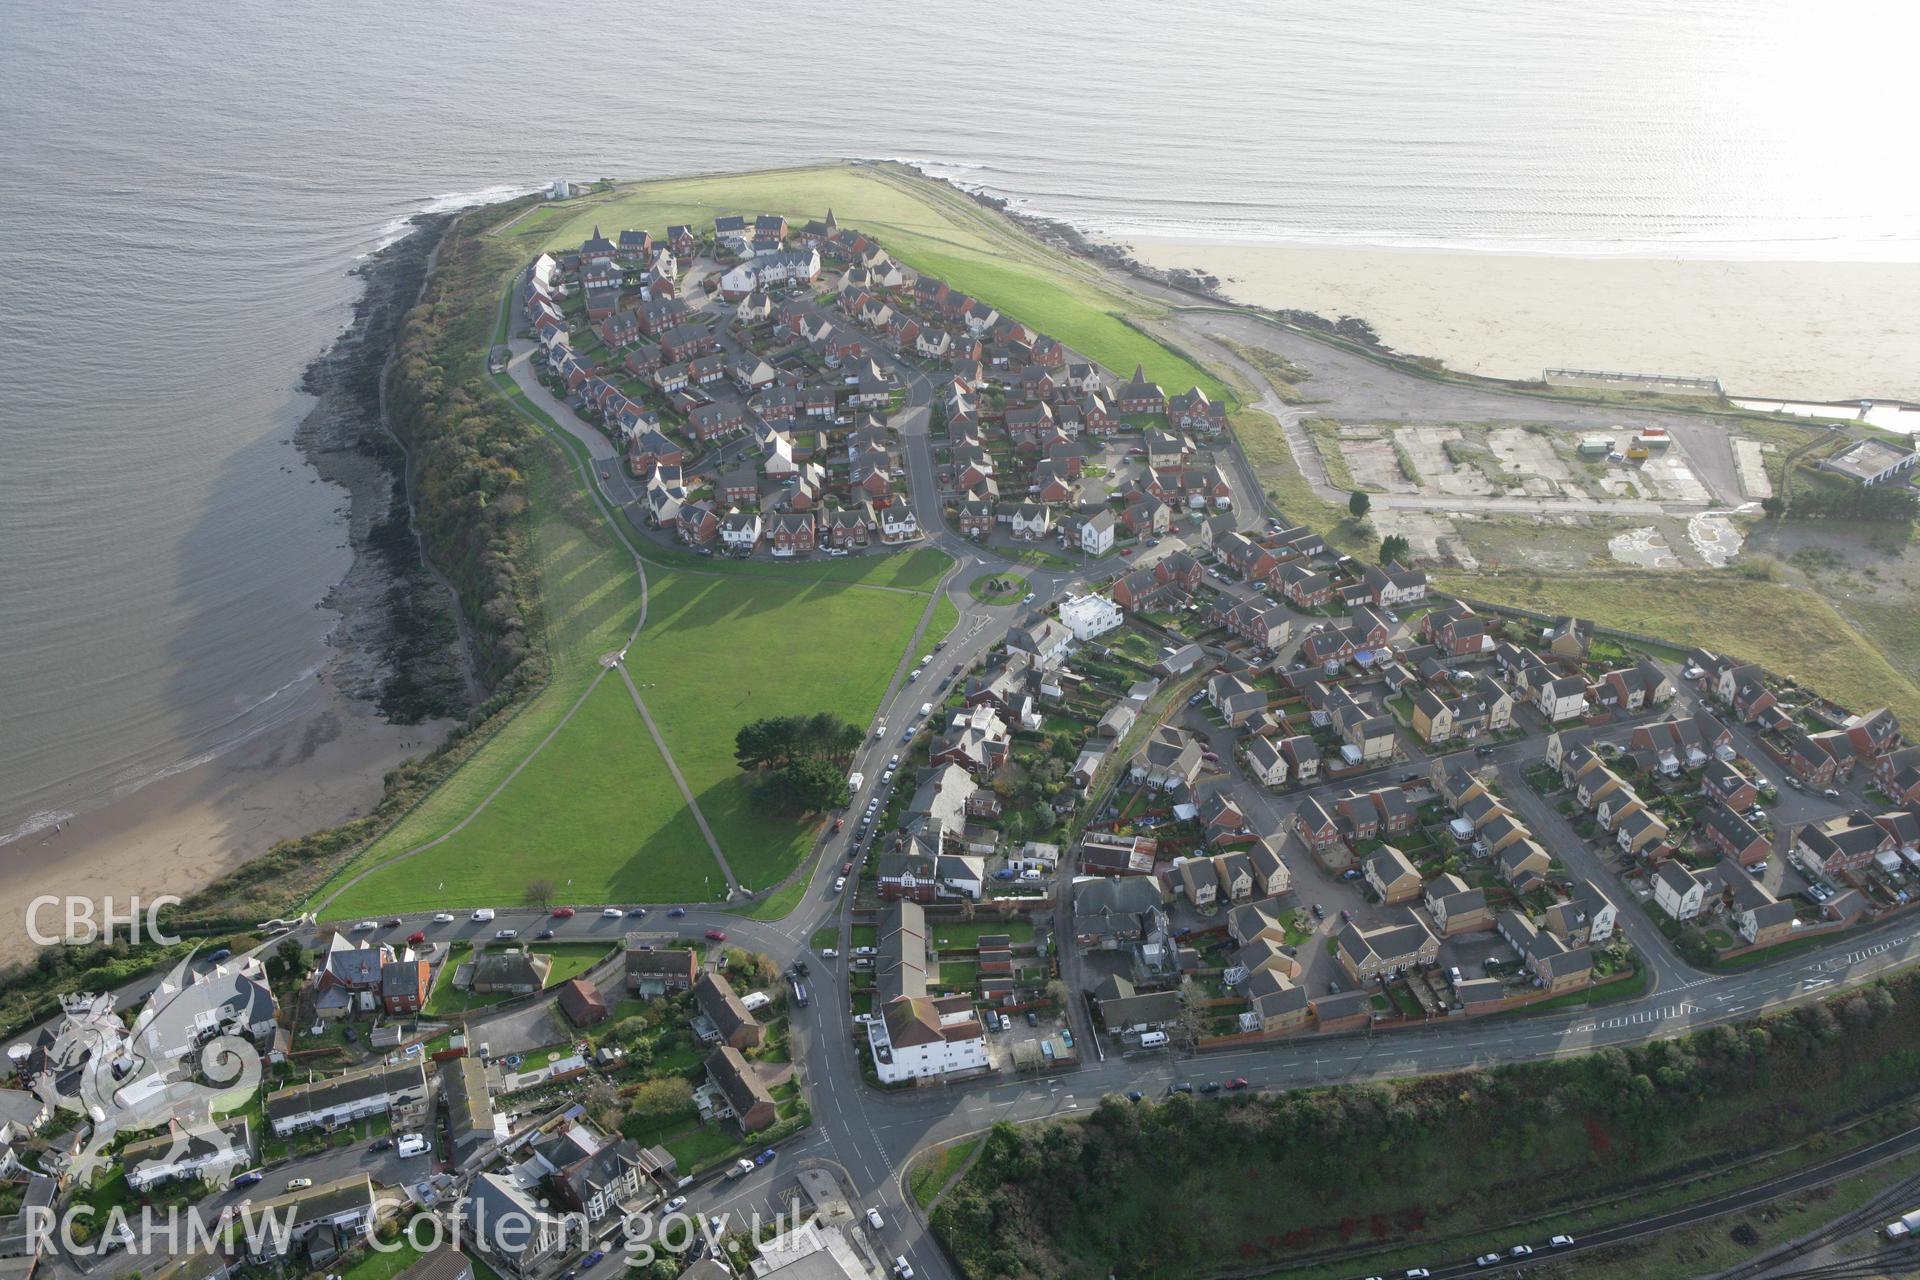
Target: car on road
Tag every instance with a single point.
(839, 883)
(392, 922)
(506, 934)
(675, 1205)
(1134, 1095)
(417, 936)
(913, 675)
(829, 953)
(1211, 1086)
(874, 1219)
(482, 914)
(1831, 793)
(716, 935)
(1561, 1242)
(380, 1144)
(364, 925)
(592, 1258)
(1486, 1260)
(838, 823)
(1238, 1082)
(543, 935)
(1417, 1273)
(1181, 1087)
(299, 1184)
(1027, 598)
(1483, 752)
(1319, 912)
(248, 1178)
(846, 868)
(564, 913)
(765, 1156)
(443, 917)
(903, 1268)
(611, 913)
(636, 913)
(1033, 1019)
(677, 912)
(1520, 1251)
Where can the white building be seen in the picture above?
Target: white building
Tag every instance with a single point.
(898, 524)
(740, 531)
(1678, 891)
(770, 269)
(1096, 534)
(334, 1101)
(920, 1036)
(1089, 616)
(546, 270)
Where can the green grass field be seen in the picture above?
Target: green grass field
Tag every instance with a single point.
(595, 805)
(926, 225)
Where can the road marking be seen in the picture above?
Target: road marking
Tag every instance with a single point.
(1680, 1010)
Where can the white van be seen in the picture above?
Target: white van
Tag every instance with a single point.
(483, 914)
(926, 709)
(1153, 1040)
(411, 1144)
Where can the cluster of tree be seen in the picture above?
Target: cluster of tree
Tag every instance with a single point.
(1191, 1187)
(805, 758)
(1394, 547)
(1875, 503)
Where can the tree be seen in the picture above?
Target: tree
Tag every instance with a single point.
(809, 784)
(660, 1099)
(539, 893)
(291, 955)
(1358, 504)
(1394, 547)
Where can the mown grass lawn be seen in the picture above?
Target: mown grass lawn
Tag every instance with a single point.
(595, 810)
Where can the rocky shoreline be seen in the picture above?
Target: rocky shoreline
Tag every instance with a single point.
(397, 646)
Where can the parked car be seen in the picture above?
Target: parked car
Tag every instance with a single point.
(874, 1219)
(417, 936)
(1033, 1019)
(1319, 912)
(543, 935)
(1520, 1251)
(677, 912)
(636, 913)
(564, 913)
(1417, 1273)
(505, 934)
(716, 935)
(611, 913)
(1486, 1260)
(443, 917)
(1831, 793)
(394, 922)
(299, 1184)
(839, 883)
(248, 1178)
(903, 1268)
(1211, 1086)
(483, 914)
(1561, 1242)
(675, 1205)
(1181, 1087)
(364, 925)
(380, 1144)
(829, 953)
(1238, 1082)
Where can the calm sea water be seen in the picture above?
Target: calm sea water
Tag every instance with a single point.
(187, 185)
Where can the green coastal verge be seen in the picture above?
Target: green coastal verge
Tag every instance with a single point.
(1381, 1177)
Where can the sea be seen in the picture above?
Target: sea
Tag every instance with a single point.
(186, 188)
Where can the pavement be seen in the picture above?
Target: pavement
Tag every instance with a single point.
(868, 1136)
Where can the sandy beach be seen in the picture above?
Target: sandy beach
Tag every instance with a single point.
(1819, 330)
(184, 831)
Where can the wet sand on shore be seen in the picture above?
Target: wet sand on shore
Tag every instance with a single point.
(1818, 330)
(182, 832)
